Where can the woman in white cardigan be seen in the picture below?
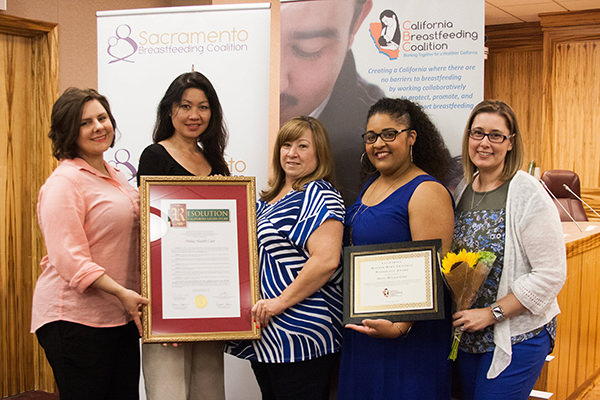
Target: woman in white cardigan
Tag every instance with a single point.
(511, 326)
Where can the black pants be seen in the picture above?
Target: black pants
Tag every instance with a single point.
(93, 363)
(303, 380)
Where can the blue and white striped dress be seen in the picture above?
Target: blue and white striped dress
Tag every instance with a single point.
(312, 327)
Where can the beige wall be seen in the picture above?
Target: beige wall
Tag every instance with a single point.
(77, 43)
(76, 21)
(274, 69)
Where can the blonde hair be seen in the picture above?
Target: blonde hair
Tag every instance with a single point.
(289, 132)
(514, 158)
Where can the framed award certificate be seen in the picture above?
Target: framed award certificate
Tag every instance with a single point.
(393, 281)
(199, 258)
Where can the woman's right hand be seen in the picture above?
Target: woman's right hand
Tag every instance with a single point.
(382, 328)
(473, 320)
(263, 310)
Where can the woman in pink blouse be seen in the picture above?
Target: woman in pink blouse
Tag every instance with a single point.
(86, 306)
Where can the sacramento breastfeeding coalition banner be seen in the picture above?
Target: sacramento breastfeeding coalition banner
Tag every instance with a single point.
(428, 51)
(140, 52)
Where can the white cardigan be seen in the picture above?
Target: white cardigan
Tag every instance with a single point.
(535, 265)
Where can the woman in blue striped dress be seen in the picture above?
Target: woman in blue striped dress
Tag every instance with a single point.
(299, 239)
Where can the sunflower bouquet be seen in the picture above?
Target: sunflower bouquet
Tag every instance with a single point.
(464, 273)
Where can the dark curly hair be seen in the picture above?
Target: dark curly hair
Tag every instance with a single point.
(214, 139)
(65, 120)
(429, 151)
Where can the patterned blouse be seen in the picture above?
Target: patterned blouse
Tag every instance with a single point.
(312, 327)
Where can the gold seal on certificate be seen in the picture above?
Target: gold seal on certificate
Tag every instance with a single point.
(394, 281)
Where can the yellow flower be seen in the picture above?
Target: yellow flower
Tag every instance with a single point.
(452, 259)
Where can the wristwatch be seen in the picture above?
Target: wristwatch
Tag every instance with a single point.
(497, 312)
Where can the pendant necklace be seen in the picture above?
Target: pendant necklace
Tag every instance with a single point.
(473, 198)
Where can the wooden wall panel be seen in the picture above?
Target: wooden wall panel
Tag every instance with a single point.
(42, 163)
(592, 197)
(549, 73)
(575, 90)
(577, 347)
(13, 53)
(28, 66)
(571, 80)
(516, 78)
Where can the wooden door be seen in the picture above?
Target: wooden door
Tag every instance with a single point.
(28, 88)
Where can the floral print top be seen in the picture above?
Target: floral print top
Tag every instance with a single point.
(480, 226)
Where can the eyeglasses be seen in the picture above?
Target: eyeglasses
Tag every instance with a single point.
(493, 137)
(387, 135)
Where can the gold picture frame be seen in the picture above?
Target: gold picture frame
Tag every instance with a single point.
(199, 258)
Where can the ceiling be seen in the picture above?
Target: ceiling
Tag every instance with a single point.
(513, 11)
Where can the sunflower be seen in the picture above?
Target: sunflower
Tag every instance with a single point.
(451, 259)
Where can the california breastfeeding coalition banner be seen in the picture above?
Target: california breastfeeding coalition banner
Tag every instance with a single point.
(140, 52)
(338, 57)
(429, 51)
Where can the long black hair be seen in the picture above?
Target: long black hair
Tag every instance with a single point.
(429, 151)
(214, 139)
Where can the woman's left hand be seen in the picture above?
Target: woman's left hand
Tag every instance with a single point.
(473, 320)
(381, 328)
(133, 302)
(263, 310)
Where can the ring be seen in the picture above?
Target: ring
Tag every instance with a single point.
(462, 328)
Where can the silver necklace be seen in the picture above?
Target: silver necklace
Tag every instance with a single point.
(473, 198)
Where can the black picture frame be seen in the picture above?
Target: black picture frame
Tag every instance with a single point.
(392, 261)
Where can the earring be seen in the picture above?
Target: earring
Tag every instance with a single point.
(366, 165)
(411, 156)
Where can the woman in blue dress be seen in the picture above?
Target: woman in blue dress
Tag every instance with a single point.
(299, 228)
(402, 201)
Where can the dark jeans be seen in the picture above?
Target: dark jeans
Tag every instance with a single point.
(302, 380)
(93, 363)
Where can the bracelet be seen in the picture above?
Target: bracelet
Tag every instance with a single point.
(403, 334)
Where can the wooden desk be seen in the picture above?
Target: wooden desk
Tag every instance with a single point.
(577, 350)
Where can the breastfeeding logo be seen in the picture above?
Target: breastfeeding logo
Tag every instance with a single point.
(121, 160)
(148, 42)
(418, 38)
(121, 46)
(386, 34)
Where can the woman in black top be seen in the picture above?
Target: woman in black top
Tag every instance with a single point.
(189, 139)
(190, 134)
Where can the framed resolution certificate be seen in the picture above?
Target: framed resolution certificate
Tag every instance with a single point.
(393, 281)
(199, 258)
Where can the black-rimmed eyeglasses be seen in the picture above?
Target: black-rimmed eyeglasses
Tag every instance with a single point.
(493, 137)
(387, 135)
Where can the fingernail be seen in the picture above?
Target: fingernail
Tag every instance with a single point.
(257, 326)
